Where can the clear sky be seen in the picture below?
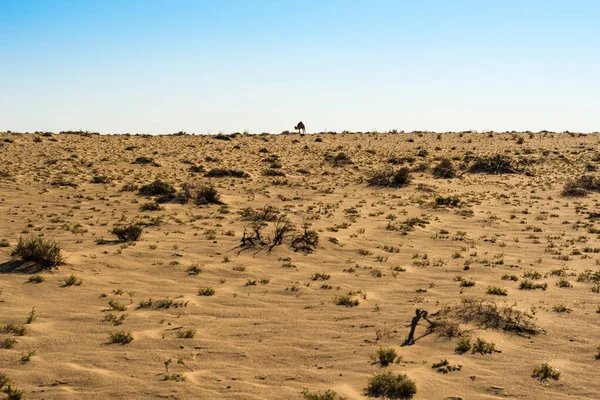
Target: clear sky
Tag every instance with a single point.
(153, 66)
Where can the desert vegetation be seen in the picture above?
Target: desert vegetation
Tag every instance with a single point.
(325, 267)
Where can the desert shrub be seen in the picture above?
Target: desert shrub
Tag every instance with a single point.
(100, 179)
(186, 334)
(581, 186)
(120, 337)
(207, 194)
(196, 169)
(157, 188)
(208, 291)
(272, 172)
(497, 291)
(44, 252)
(463, 345)
(490, 314)
(226, 173)
(150, 207)
(389, 178)
(339, 159)
(495, 165)
(306, 241)
(444, 169)
(545, 372)
(483, 347)
(128, 233)
(448, 201)
(386, 356)
(326, 395)
(391, 386)
(129, 187)
(143, 160)
(345, 300)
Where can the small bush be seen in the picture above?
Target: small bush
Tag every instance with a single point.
(44, 252)
(497, 291)
(389, 178)
(463, 346)
(272, 172)
(143, 160)
(326, 395)
(206, 291)
(545, 372)
(186, 334)
(150, 207)
(101, 179)
(128, 233)
(444, 169)
(157, 188)
(120, 337)
(495, 165)
(386, 356)
(345, 300)
(71, 280)
(226, 173)
(483, 347)
(207, 195)
(391, 386)
(8, 343)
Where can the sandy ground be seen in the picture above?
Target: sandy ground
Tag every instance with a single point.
(270, 331)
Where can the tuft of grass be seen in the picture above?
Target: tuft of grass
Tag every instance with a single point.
(463, 345)
(391, 386)
(8, 343)
(483, 347)
(26, 357)
(177, 377)
(32, 316)
(497, 291)
(13, 329)
(186, 334)
(162, 303)
(345, 300)
(208, 291)
(44, 252)
(561, 308)
(115, 305)
(545, 372)
(194, 269)
(72, 280)
(121, 337)
(36, 279)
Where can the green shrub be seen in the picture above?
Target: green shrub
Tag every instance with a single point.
(463, 345)
(128, 233)
(386, 356)
(545, 372)
(207, 194)
(120, 337)
(391, 386)
(389, 178)
(44, 252)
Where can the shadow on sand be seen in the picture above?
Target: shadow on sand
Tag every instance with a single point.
(20, 267)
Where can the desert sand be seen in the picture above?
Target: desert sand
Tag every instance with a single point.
(278, 322)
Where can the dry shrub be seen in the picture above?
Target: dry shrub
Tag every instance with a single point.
(44, 252)
(490, 314)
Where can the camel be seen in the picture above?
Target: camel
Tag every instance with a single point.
(300, 127)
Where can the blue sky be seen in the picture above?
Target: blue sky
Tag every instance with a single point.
(155, 66)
